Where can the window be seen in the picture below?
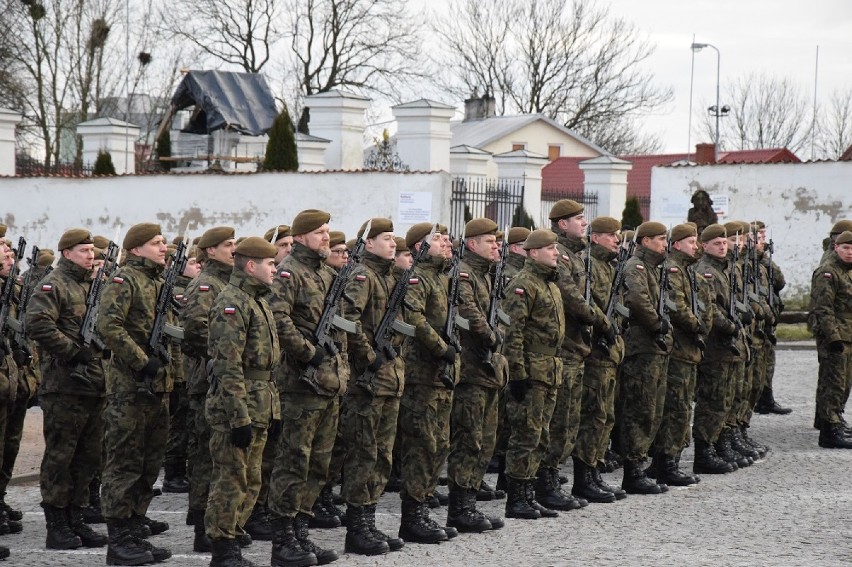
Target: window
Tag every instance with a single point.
(553, 152)
(521, 146)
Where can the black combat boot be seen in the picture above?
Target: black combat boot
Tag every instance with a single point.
(635, 481)
(739, 445)
(485, 493)
(159, 554)
(138, 528)
(832, 436)
(501, 474)
(761, 449)
(87, 535)
(516, 501)
(155, 526)
(8, 526)
(557, 480)
(695, 478)
(359, 538)
(585, 487)
(462, 513)
(708, 462)
(767, 404)
(652, 470)
(495, 521)
(597, 480)
(726, 451)
(414, 525)
(545, 512)
(226, 553)
(174, 479)
(670, 473)
(549, 494)
(394, 543)
(326, 497)
(92, 513)
(11, 513)
(4, 552)
(190, 517)
(258, 526)
(287, 551)
(201, 543)
(123, 549)
(300, 528)
(323, 518)
(59, 534)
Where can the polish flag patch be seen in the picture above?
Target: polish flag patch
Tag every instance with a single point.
(46, 287)
(566, 258)
(640, 267)
(708, 275)
(827, 275)
(117, 279)
(179, 297)
(519, 291)
(413, 281)
(204, 288)
(360, 278)
(284, 274)
(464, 275)
(673, 270)
(230, 310)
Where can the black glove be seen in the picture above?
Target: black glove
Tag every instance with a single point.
(241, 436)
(836, 347)
(274, 431)
(518, 389)
(611, 335)
(702, 328)
(106, 354)
(21, 357)
(449, 355)
(319, 356)
(665, 326)
(772, 338)
(82, 356)
(377, 362)
(150, 369)
(33, 401)
(747, 317)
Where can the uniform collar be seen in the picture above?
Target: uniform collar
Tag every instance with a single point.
(478, 263)
(682, 258)
(248, 284)
(307, 256)
(145, 265)
(77, 272)
(545, 272)
(218, 269)
(377, 264)
(649, 256)
(601, 253)
(573, 243)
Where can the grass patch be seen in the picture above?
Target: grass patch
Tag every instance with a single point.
(793, 332)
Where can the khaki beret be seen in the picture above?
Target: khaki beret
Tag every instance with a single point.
(335, 237)
(200, 254)
(844, 238)
(307, 221)
(839, 226)
(350, 244)
(101, 242)
(176, 240)
(499, 234)
(170, 250)
(8, 243)
(72, 237)
(3, 229)
(517, 234)
(45, 257)
(283, 231)
(478, 227)
(216, 236)
(606, 225)
(713, 231)
(256, 247)
(759, 224)
(565, 208)
(539, 239)
(192, 252)
(401, 245)
(733, 227)
(196, 240)
(378, 225)
(627, 236)
(442, 229)
(417, 233)
(139, 234)
(681, 231)
(650, 228)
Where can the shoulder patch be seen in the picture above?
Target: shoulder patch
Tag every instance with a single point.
(519, 291)
(413, 281)
(674, 270)
(708, 275)
(46, 287)
(204, 288)
(566, 258)
(284, 274)
(179, 297)
(640, 267)
(118, 280)
(464, 275)
(360, 278)
(827, 275)
(230, 310)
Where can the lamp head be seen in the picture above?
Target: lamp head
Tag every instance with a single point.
(698, 46)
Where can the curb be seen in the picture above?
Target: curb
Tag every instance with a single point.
(796, 345)
(23, 479)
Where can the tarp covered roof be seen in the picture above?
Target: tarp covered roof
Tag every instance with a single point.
(238, 101)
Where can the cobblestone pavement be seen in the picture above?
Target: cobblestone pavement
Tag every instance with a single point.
(793, 508)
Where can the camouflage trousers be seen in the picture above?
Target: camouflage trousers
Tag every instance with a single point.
(16, 414)
(769, 372)
(597, 410)
(135, 432)
(338, 453)
(200, 466)
(713, 398)
(643, 398)
(234, 484)
(529, 423)
(565, 422)
(303, 452)
(73, 448)
(176, 450)
(741, 387)
(503, 430)
(369, 433)
(673, 436)
(833, 381)
(424, 438)
(755, 376)
(473, 434)
(267, 465)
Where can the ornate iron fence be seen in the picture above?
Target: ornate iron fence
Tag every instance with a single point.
(549, 197)
(497, 199)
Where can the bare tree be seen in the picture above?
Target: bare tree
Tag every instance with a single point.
(835, 126)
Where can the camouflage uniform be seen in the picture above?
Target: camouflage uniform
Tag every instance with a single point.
(534, 304)
(514, 264)
(743, 375)
(774, 287)
(756, 371)
(243, 348)
(136, 425)
(176, 446)
(198, 299)
(309, 419)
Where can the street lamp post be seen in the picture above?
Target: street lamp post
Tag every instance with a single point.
(718, 110)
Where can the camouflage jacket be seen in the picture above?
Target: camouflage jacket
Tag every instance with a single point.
(684, 322)
(297, 302)
(579, 315)
(29, 375)
(723, 333)
(474, 298)
(125, 318)
(776, 285)
(181, 284)
(603, 274)
(534, 304)
(426, 310)
(366, 300)
(243, 348)
(197, 300)
(514, 264)
(9, 375)
(54, 315)
(641, 295)
(830, 316)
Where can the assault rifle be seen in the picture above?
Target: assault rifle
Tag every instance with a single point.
(164, 333)
(454, 320)
(696, 305)
(7, 297)
(752, 268)
(664, 303)
(20, 344)
(93, 299)
(613, 305)
(775, 306)
(330, 318)
(498, 292)
(733, 302)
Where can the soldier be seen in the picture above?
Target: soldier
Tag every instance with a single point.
(242, 403)
(338, 253)
(647, 346)
(534, 304)
(310, 407)
(8, 380)
(723, 354)
(402, 258)
(72, 394)
(830, 319)
(283, 241)
(217, 245)
(136, 420)
(689, 330)
(517, 255)
(828, 243)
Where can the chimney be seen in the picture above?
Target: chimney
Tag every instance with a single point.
(476, 108)
(705, 153)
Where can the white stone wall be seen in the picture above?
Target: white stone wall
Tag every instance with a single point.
(41, 209)
(798, 202)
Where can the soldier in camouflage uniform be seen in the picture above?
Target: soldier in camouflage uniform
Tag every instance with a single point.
(828, 243)
(136, 420)
(283, 241)
(647, 346)
(217, 246)
(830, 319)
(242, 403)
(310, 406)
(689, 331)
(72, 394)
(534, 305)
